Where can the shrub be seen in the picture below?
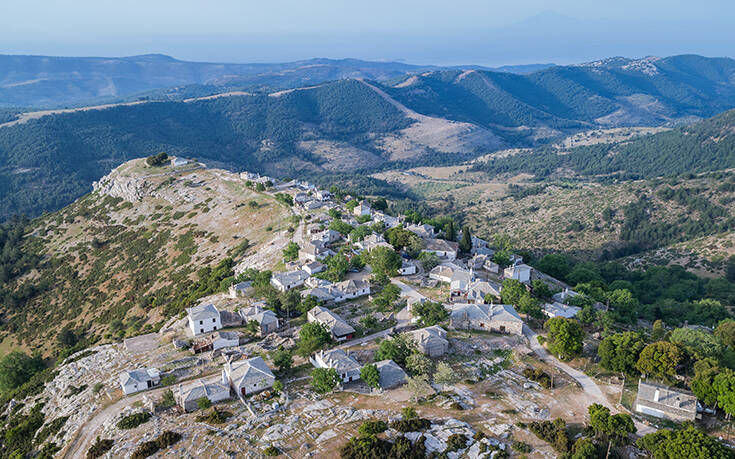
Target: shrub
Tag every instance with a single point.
(150, 448)
(99, 448)
(157, 160)
(133, 420)
(372, 428)
(411, 425)
(456, 442)
(552, 432)
(214, 417)
(272, 451)
(203, 403)
(539, 376)
(167, 400)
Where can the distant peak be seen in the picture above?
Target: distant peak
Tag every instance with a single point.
(153, 57)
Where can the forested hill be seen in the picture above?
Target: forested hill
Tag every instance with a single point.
(611, 92)
(353, 126)
(708, 145)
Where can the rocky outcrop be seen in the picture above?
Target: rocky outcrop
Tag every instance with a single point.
(131, 189)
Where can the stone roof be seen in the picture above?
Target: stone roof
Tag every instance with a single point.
(391, 375)
(141, 375)
(203, 312)
(250, 368)
(201, 388)
(351, 286)
(424, 336)
(489, 312)
(320, 293)
(441, 245)
(338, 359)
(557, 309)
(669, 400)
(334, 323)
(291, 277)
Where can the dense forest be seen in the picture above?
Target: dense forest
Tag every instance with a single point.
(708, 145)
(49, 162)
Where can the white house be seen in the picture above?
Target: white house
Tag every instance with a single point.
(347, 368)
(349, 289)
(520, 272)
(188, 395)
(288, 280)
(203, 319)
(445, 250)
(178, 162)
(314, 251)
(388, 220)
(249, 376)
(313, 268)
(138, 380)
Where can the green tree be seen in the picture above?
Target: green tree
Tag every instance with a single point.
(419, 364)
(703, 381)
(351, 204)
(308, 303)
(698, 343)
(429, 313)
(337, 266)
(401, 238)
(359, 233)
(529, 305)
(624, 305)
(450, 233)
(387, 297)
(282, 359)
(429, 260)
(615, 428)
(660, 359)
(312, 337)
(67, 337)
(384, 261)
(555, 265)
(370, 374)
(686, 443)
(658, 332)
(278, 386)
(444, 374)
(396, 349)
(17, 368)
(620, 352)
(540, 289)
(419, 387)
(724, 385)
(465, 244)
(565, 337)
(725, 332)
(324, 380)
(512, 291)
(291, 252)
(585, 448)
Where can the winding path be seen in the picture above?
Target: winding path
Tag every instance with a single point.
(588, 385)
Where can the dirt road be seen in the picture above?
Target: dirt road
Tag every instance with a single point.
(588, 385)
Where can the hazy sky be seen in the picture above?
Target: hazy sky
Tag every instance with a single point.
(487, 32)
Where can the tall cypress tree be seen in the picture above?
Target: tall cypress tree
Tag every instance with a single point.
(465, 245)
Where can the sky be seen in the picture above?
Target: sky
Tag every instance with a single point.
(454, 32)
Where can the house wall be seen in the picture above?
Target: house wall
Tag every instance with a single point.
(206, 326)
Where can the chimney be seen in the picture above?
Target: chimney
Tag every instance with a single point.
(656, 395)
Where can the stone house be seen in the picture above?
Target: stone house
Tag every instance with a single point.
(501, 318)
(347, 368)
(665, 403)
(188, 395)
(137, 380)
(432, 341)
(288, 280)
(340, 329)
(203, 319)
(249, 376)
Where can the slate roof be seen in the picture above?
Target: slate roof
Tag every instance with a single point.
(334, 323)
(250, 368)
(210, 389)
(670, 401)
(203, 312)
(351, 286)
(391, 375)
(441, 245)
(489, 312)
(338, 359)
(139, 376)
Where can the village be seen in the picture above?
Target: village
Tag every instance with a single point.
(376, 314)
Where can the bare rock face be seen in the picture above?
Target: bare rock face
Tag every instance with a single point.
(131, 189)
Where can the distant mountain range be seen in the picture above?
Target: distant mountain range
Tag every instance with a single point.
(52, 82)
(356, 126)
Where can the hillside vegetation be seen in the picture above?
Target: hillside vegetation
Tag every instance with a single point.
(708, 145)
(106, 264)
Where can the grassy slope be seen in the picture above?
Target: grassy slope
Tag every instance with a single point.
(104, 254)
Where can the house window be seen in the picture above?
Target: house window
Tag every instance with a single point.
(214, 327)
(201, 322)
(502, 328)
(201, 330)
(214, 320)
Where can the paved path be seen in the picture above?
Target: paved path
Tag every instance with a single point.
(588, 385)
